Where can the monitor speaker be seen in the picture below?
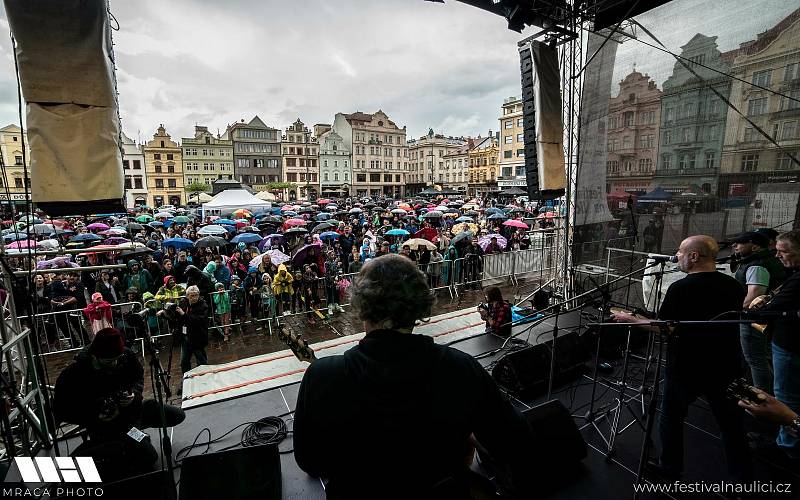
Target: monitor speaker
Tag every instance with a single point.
(247, 473)
(543, 129)
(526, 372)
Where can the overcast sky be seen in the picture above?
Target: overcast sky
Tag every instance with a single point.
(447, 66)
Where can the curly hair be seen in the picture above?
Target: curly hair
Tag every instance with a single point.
(391, 290)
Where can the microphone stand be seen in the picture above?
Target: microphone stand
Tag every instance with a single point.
(635, 226)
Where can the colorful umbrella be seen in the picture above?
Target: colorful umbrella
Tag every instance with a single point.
(329, 235)
(227, 222)
(485, 240)
(295, 222)
(97, 226)
(433, 214)
(115, 240)
(22, 244)
(322, 217)
(271, 240)
(427, 233)
(242, 214)
(397, 232)
(515, 223)
(144, 218)
(85, 237)
(114, 231)
(355, 210)
(464, 218)
(181, 219)
(307, 254)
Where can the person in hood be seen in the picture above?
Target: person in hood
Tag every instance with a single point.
(98, 312)
(284, 289)
(194, 277)
(357, 419)
(137, 277)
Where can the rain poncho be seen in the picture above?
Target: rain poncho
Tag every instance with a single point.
(282, 282)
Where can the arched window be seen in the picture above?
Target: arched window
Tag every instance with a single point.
(336, 176)
(326, 176)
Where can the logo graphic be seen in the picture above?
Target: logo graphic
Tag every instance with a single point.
(72, 470)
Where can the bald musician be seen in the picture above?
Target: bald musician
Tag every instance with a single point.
(701, 359)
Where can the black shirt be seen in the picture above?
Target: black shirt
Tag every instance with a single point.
(703, 353)
(786, 331)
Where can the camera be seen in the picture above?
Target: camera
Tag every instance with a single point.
(484, 306)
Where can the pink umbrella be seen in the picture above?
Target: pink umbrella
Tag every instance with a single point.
(114, 231)
(97, 226)
(515, 223)
(22, 244)
(295, 222)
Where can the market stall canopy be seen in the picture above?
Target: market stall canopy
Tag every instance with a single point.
(657, 195)
(233, 199)
(266, 196)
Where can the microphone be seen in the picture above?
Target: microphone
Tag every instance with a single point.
(770, 314)
(663, 258)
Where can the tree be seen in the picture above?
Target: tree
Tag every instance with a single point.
(197, 187)
(272, 186)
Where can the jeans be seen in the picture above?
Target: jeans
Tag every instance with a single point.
(787, 391)
(331, 294)
(678, 395)
(755, 348)
(186, 356)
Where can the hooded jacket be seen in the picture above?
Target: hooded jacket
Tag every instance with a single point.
(140, 280)
(282, 282)
(362, 417)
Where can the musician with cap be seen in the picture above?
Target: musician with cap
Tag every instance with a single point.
(759, 273)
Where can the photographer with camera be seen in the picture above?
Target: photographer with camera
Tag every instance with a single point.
(102, 391)
(191, 315)
(496, 312)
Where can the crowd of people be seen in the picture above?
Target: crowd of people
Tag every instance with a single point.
(248, 267)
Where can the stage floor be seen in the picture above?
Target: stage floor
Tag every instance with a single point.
(603, 476)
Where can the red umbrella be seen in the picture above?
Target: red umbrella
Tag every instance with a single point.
(427, 233)
(295, 222)
(323, 201)
(515, 223)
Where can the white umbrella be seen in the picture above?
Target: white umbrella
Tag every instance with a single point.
(212, 229)
(49, 244)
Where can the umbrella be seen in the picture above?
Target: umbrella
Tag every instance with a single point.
(212, 229)
(178, 243)
(416, 243)
(249, 229)
(464, 218)
(325, 226)
(322, 217)
(397, 232)
(181, 219)
(517, 210)
(30, 219)
(399, 211)
(471, 213)
(164, 215)
(44, 229)
(115, 240)
(433, 214)
(134, 227)
(296, 230)
(497, 216)
(306, 210)
(114, 231)
(49, 244)
(333, 221)
(144, 218)
(155, 224)
(246, 238)
(515, 223)
(295, 222)
(355, 210)
(493, 210)
(22, 244)
(459, 228)
(428, 233)
(306, 254)
(138, 250)
(242, 214)
(275, 256)
(323, 201)
(97, 226)
(404, 206)
(290, 213)
(271, 240)
(486, 239)
(228, 222)
(329, 235)
(85, 237)
(211, 241)
(462, 238)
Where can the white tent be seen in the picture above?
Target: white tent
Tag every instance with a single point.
(266, 195)
(232, 199)
(204, 197)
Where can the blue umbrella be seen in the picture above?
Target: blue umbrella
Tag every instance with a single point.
(464, 218)
(290, 213)
(329, 234)
(246, 238)
(85, 237)
(323, 216)
(225, 221)
(15, 236)
(397, 232)
(497, 216)
(179, 243)
(156, 223)
(493, 210)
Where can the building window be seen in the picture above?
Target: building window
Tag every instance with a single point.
(388, 177)
(520, 138)
(127, 183)
(750, 134)
(666, 162)
(172, 183)
(762, 78)
(687, 135)
(157, 168)
(159, 183)
(169, 156)
(612, 166)
(374, 177)
(508, 154)
(346, 177)
(792, 72)
(508, 124)
(757, 107)
(792, 101)
(711, 158)
(157, 156)
(170, 169)
(137, 182)
(789, 130)
(626, 142)
(667, 137)
(785, 160)
(749, 163)
(646, 141)
(125, 164)
(291, 177)
(520, 153)
(627, 119)
(645, 164)
(509, 139)
(18, 160)
(137, 165)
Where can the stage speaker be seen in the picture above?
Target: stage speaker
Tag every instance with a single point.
(247, 473)
(66, 69)
(526, 372)
(554, 430)
(543, 129)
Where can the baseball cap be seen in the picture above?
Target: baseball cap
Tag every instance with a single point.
(755, 237)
